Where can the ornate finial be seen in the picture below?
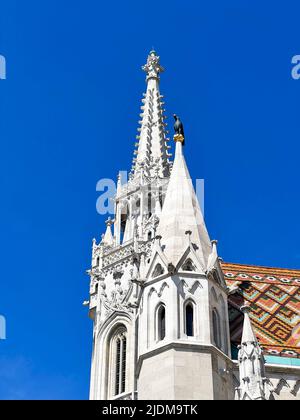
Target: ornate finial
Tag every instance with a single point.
(153, 67)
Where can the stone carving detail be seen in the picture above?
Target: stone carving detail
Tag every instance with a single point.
(296, 387)
(116, 304)
(102, 287)
(136, 263)
(117, 255)
(281, 383)
(123, 255)
(117, 274)
(153, 67)
(171, 269)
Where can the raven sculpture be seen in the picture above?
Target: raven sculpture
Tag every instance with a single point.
(178, 126)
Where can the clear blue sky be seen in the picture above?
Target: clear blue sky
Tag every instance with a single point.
(68, 117)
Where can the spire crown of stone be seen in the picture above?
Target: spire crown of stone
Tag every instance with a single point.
(153, 67)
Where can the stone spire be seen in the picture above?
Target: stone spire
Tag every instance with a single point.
(251, 364)
(181, 213)
(108, 238)
(151, 155)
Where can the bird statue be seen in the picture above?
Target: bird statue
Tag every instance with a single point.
(178, 126)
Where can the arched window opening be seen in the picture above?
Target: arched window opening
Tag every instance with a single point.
(97, 261)
(161, 322)
(124, 217)
(216, 328)
(189, 320)
(119, 358)
(149, 236)
(123, 225)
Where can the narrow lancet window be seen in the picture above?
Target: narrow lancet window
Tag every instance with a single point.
(161, 317)
(189, 320)
(216, 328)
(120, 345)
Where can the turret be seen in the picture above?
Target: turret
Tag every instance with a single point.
(251, 364)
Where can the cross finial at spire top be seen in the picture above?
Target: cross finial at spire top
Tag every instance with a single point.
(153, 67)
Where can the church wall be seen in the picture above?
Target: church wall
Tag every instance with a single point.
(156, 378)
(184, 371)
(222, 377)
(188, 367)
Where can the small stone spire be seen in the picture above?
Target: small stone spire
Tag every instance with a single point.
(251, 363)
(152, 153)
(108, 238)
(181, 213)
(213, 257)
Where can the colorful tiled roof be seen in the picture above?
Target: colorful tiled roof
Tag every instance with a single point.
(274, 297)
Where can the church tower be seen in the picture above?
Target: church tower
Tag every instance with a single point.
(158, 298)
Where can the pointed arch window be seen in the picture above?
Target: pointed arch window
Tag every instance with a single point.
(123, 225)
(189, 319)
(118, 368)
(216, 328)
(161, 322)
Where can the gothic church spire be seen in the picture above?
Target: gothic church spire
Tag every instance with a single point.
(151, 155)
